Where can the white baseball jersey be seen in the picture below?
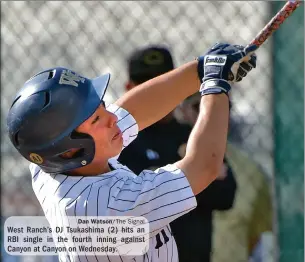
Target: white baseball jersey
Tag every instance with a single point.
(160, 196)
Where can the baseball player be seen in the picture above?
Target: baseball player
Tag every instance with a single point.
(59, 122)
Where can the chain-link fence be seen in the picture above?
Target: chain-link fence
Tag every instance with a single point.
(96, 37)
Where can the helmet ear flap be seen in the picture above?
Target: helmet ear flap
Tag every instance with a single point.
(75, 152)
(80, 151)
(78, 135)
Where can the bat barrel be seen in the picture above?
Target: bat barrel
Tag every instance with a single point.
(275, 22)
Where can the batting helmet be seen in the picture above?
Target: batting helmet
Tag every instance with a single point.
(45, 113)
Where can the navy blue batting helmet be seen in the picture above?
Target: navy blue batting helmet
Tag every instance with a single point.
(45, 113)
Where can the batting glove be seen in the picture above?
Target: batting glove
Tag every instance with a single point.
(246, 66)
(221, 65)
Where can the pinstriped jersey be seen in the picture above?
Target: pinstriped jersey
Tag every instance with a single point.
(160, 196)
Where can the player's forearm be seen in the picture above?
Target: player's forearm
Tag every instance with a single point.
(154, 99)
(206, 146)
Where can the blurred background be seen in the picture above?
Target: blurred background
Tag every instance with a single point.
(96, 37)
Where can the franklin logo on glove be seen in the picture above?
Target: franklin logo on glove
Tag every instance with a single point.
(215, 60)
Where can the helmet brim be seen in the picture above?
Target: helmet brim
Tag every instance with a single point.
(100, 84)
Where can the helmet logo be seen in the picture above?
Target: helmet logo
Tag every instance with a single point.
(70, 78)
(37, 159)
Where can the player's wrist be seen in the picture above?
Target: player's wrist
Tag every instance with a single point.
(214, 86)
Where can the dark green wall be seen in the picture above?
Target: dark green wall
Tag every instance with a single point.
(288, 80)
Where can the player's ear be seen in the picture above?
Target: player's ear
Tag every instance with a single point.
(72, 153)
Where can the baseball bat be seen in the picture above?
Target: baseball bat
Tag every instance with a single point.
(272, 25)
(275, 22)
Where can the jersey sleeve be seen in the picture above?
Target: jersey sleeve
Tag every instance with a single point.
(126, 123)
(160, 196)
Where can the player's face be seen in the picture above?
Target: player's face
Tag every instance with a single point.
(102, 127)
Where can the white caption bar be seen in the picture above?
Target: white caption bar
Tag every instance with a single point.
(78, 235)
